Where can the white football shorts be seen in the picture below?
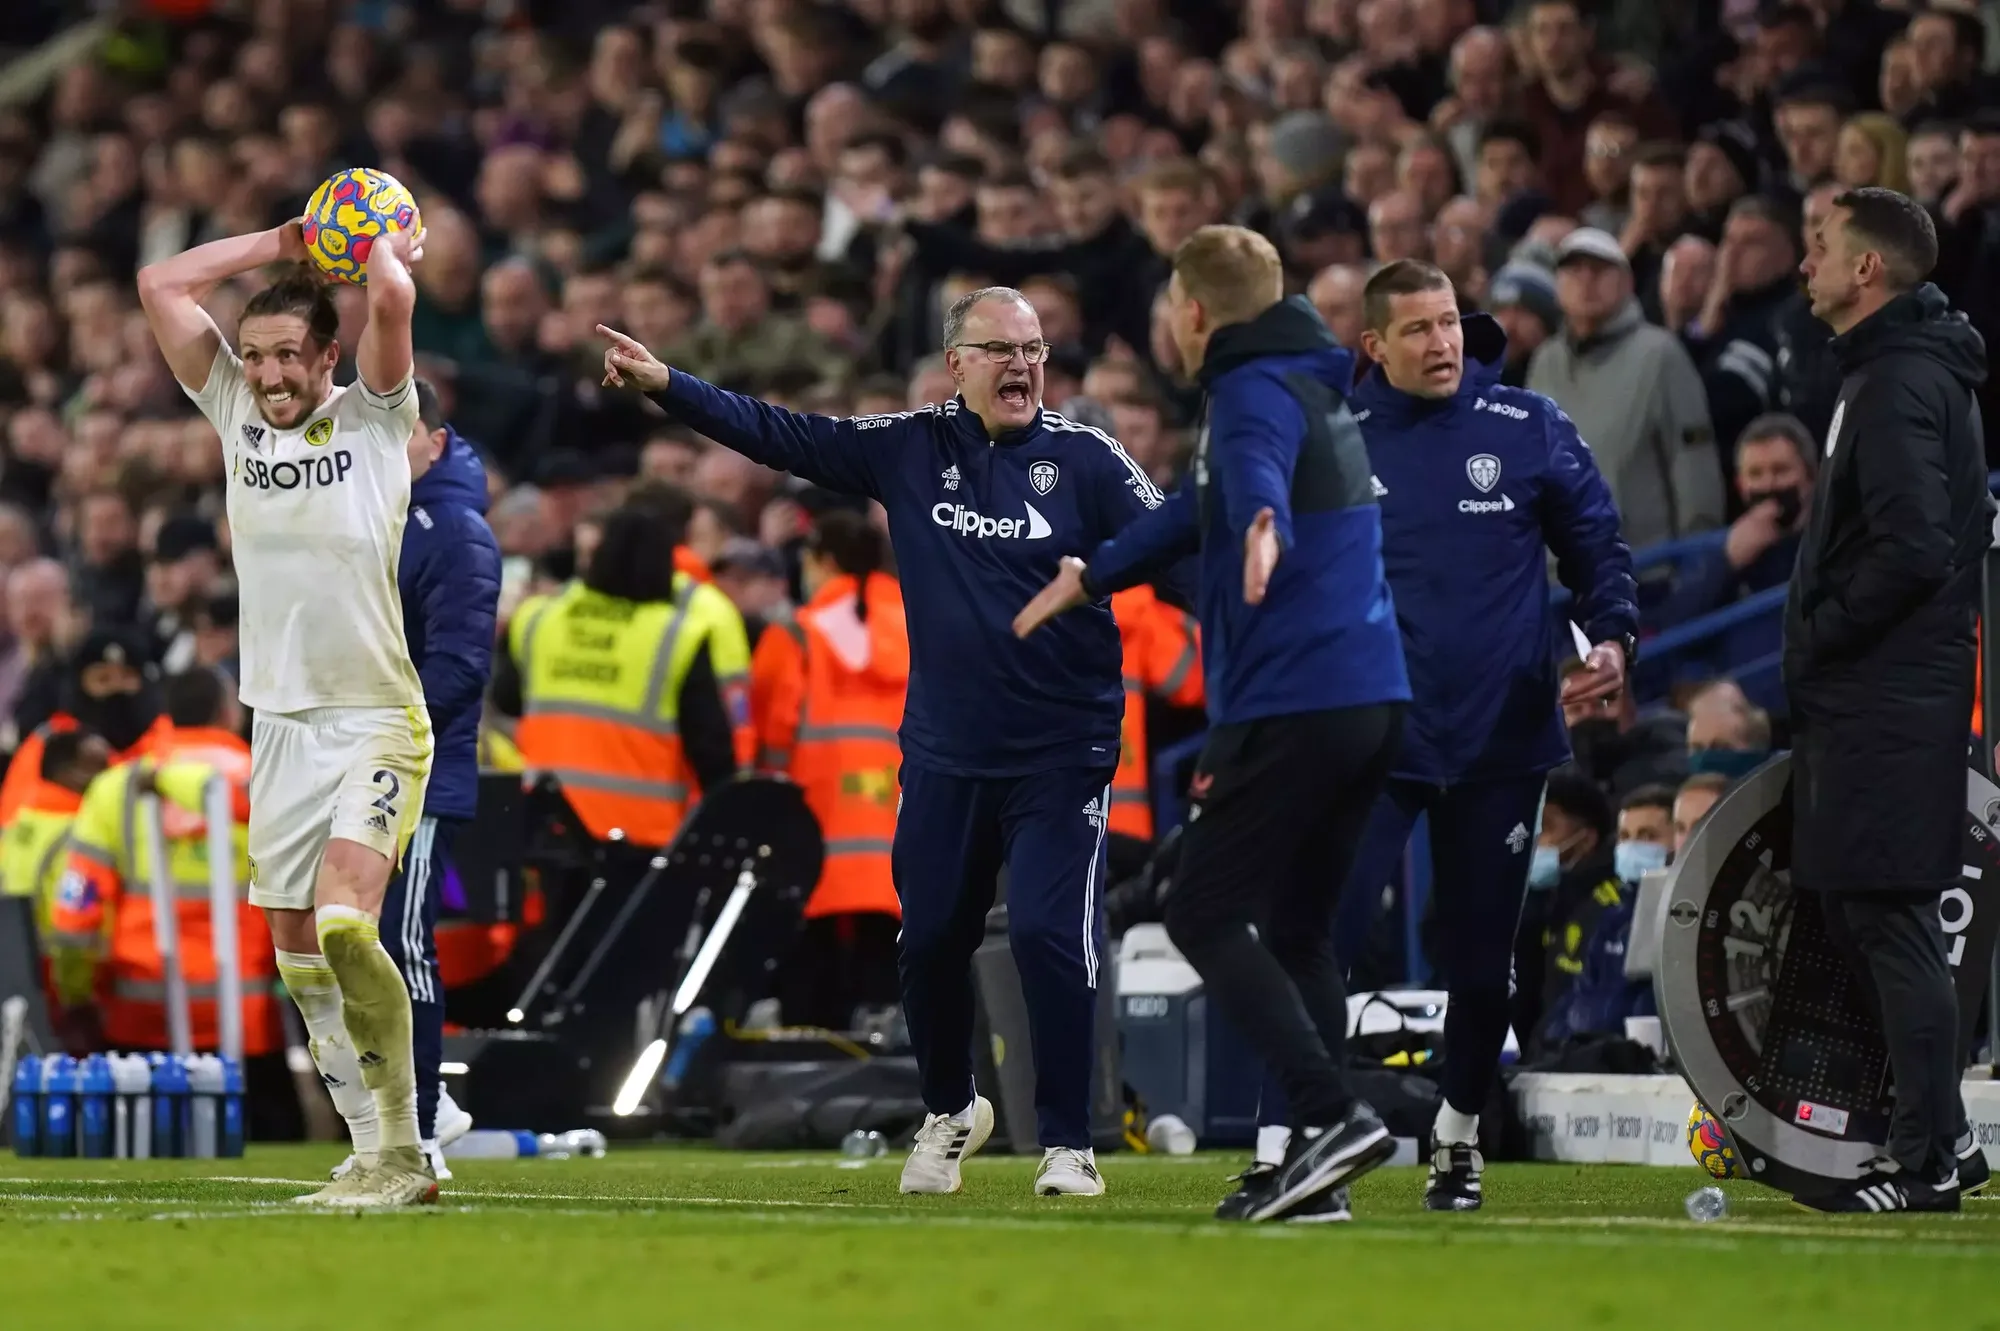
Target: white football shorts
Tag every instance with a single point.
(357, 773)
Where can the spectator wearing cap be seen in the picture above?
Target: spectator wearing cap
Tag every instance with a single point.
(109, 689)
(739, 339)
(1322, 228)
(1634, 394)
(185, 563)
(755, 580)
(1522, 298)
(1572, 88)
(1734, 338)
(1721, 166)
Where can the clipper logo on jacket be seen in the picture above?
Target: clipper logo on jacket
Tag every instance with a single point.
(959, 518)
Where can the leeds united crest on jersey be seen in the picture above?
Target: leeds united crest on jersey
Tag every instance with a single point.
(319, 432)
(1483, 470)
(1042, 475)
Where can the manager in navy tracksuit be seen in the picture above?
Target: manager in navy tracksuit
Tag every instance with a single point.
(1008, 747)
(1478, 482)
(1306, 691)
(450, 580)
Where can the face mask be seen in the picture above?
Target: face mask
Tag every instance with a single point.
(1790, 502)
(122, 718)
(1544, 868)
(1595, 743)
(1732, 763)
(1633, 858)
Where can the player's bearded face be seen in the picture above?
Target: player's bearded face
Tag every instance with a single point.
(289, 373)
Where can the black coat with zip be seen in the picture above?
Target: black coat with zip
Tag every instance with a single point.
(1879, 645)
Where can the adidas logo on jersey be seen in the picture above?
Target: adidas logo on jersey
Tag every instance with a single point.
(1517, 840)
(378, 822)
(951, 477)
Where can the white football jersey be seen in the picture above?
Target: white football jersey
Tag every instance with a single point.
(316, 524)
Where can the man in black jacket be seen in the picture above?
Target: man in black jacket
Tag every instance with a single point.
(1879, 662)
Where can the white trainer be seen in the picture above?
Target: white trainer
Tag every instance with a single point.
(1068, 1172)
(348, 1166)
(452, 1121)
(401, 1177)
(434, 1156)
(942, 1143)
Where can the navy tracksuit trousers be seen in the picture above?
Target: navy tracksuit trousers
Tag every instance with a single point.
(953, 835)
(409, 933)
(1482, 836)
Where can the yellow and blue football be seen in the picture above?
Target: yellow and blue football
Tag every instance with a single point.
(347, 214)
(1709, 1144)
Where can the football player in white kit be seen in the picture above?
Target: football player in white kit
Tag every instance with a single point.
(340, 749)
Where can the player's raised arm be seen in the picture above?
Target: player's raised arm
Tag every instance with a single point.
(821, 449)
(172, 291)
(385, 356)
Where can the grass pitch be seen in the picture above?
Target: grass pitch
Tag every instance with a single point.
(704, 1239)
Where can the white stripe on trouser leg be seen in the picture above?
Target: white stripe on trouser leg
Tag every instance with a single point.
(416, 879)
(1090, 892)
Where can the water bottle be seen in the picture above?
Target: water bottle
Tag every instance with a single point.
(1706, 1204)
(204, 1073)
(94, 1107)
(132, 1109)
(59, 1105)
(695, 1029)
(492, 1144)
(27, 1101)
(1170, 1135)
(170, 1106)
(586, 1142)
(860, 1146)
(233, 1134)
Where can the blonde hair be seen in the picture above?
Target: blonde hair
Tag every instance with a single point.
(1233, 272)
(1891, 142)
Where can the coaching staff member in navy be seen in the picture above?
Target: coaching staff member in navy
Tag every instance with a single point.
(1306, 691)
(1009, 747)
(1479, 482)
(1878, 665)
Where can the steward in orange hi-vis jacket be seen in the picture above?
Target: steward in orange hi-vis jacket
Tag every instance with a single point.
(1163, 659)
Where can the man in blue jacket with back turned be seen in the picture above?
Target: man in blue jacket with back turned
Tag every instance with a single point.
(1009, 747)
(1306, 692)
(1478, 482)
(450, 580)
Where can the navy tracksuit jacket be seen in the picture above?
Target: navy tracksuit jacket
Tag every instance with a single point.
(1474, 491)
(1325, 636)
(449, 576)
(1009, 745)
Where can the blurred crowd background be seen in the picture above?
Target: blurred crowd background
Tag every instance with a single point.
(783, 196)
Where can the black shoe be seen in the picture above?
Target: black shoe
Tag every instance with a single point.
(1973, 1171)
(1255, 1185)
(1454, 1180)
(1320, 1160)
(1885, 1188)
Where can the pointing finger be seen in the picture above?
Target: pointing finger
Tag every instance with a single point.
(624, 343)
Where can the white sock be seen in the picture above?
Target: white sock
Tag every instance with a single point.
(964, 1116)
(375, 1006)
(309, 980)
(1454, 1128)
(1272, 1139)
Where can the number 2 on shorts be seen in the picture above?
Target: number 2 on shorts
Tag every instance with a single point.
(386, 801)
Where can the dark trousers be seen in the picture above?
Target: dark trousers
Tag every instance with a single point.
(1279, 805)
(953, 835)
(409, 932)
(1895, 945)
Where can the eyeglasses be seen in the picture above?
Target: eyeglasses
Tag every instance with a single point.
(1001, 352)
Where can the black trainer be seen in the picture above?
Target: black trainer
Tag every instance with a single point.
(1254, 1187)
(1454, 1181)
(1320, 1160)
(1883, 1188)
(1973, 1171)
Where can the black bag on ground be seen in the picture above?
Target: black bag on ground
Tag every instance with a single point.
(1407, 1101)
(811, 1106)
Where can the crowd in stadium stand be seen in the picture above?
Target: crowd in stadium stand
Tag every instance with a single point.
(783, 196)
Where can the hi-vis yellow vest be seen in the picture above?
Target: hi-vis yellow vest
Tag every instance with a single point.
(600, 685)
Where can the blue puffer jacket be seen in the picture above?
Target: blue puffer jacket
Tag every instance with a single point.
(450, 580)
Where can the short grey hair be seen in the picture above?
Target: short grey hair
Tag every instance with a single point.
(954, 318)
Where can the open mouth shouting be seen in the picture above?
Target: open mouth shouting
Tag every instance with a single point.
(1016, 393)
